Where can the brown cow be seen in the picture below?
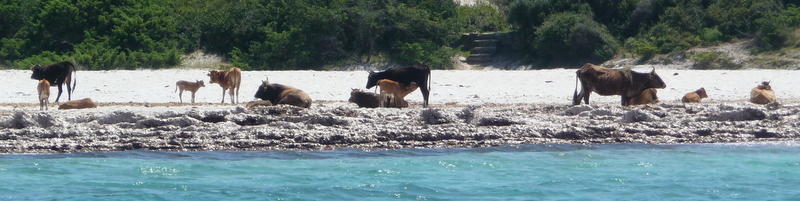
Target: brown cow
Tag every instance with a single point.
(184, 85)
(78, 104)
(607, 82)
(762, 94)
(648, 96)
(694, 97)
(227, 79)
(44, 94)
(283, 94)
(365, 99)
(398, 90)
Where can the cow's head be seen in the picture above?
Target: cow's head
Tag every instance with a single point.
(372, 80)
(213, 74)
(266, 91)
(655, 81)
(38, 72)
(765, 86)
(200, 83)
(702, 92)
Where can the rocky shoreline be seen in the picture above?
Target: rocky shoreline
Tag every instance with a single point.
(335, 125)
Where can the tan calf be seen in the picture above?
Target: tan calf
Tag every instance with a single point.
(227, 79)
(648, 96)
(44, 94)
(257, 103)
(184, 85)
(694, 97)
(762, 94)
(397, 90)
(78, 104)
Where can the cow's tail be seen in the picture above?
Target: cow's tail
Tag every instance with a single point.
(429, 86)
(575, 99)
(74, 71)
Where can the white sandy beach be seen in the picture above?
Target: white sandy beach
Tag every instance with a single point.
(139, 110)
(453, 86)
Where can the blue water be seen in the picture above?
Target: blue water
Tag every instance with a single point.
(763, 171)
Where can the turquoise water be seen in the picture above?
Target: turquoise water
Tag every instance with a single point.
(764, 171)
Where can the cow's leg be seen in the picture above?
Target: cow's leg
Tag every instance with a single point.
(223, 95)
(59, 93)
(626, 101)
(231, 93)
(237, 92)
(193, 96)
(180, 95)
(425, 93)
(585, 93)
(69, 89)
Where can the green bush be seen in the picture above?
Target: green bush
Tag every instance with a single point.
(712, 60)
(574, 38)
(711, 35)
(481, 18)
(642, 48)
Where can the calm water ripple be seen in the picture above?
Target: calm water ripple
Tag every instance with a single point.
(752, 171)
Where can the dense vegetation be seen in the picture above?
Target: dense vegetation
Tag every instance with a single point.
(312, 34)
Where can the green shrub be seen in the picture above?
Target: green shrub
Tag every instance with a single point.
(481, 18)
(712, 60)
(574, 38)
(711, 35)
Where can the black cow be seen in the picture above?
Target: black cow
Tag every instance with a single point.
(418, 73)
(57, 74)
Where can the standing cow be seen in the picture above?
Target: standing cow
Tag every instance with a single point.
(283, 94)
(57, 74)
(184, 85)
(227, 79)
(607, 82)
(418, 73)
(44, 94)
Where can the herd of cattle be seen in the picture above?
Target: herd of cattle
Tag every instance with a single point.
(635, 88)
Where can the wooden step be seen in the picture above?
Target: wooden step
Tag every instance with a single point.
(486, 36)
(483, 50)
(477, 58)
(485, 43)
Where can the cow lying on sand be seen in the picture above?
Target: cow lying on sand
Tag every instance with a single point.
(417, 73)
(365, 99)
(44, 94)
(228, 79)
(78, 104)
(607, 82)
(648, 96)
(762, 94)
(57, 74)
(398, 91)
(695, 96)
(283, 94)
(184, 85)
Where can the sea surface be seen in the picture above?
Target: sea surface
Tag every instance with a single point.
(749, 171)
